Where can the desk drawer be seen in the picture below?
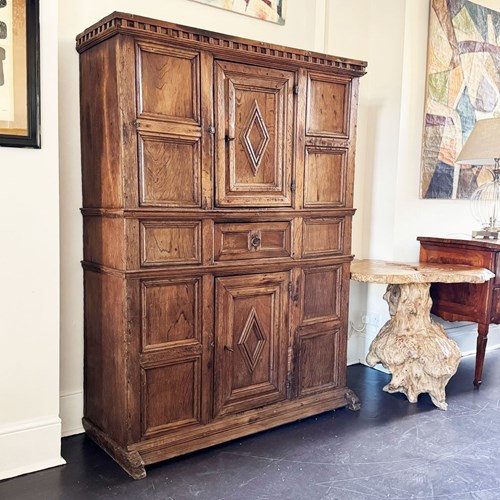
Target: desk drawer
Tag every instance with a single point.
(252, 240)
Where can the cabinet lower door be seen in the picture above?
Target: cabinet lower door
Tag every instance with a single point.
(251, 341)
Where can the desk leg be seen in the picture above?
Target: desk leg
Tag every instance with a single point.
(482, 340)
(415, 349)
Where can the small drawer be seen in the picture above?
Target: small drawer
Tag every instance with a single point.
(252, 240)
(170, 243)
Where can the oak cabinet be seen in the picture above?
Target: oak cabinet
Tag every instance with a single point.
(217, 203)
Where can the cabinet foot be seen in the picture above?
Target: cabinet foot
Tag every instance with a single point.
(130, 462)
(353, 402)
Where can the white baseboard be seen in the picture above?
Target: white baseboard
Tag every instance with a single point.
(30, 446)
(71, 410)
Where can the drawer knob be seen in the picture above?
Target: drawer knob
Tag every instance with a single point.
(255, 241)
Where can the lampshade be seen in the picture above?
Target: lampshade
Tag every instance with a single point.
(483, 144)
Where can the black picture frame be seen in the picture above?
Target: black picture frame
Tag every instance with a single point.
(32, 137)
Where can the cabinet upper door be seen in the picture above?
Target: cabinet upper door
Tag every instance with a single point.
(254, 135)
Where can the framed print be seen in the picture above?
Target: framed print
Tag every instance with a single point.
(267, 10)
(19, 73)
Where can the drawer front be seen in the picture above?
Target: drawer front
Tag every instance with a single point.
(448, 254)
(170, 243)
(252, 240)
(322, 237)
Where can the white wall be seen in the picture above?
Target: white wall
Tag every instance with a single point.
(299, 31)
(30, 428)
(392, 37)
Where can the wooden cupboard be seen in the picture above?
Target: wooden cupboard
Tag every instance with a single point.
(217, 205)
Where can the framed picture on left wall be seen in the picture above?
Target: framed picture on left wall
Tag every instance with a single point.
(19, 73)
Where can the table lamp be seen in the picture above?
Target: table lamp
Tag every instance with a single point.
(483, 148)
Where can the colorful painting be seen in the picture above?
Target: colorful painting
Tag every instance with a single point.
(463, 86)
(268, 10)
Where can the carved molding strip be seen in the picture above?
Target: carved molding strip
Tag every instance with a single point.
(131, 24)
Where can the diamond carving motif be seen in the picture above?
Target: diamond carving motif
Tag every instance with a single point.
(255, 138)
(251, 341)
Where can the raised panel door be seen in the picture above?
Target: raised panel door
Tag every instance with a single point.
(328, 105)
(321, 296)
(318, 361)
(168, 83)
(251, 341)
(325, 177)
(254, 135)
(169, 170)
(171, 354)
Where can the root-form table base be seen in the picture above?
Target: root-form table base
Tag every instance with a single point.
(413, 347)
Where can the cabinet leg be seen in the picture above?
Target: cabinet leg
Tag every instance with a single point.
(482, 340)
(130, 462)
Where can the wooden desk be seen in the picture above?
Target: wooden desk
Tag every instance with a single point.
(415, 349)
(465, 302)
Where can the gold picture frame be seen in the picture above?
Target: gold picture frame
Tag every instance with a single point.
(19, 73)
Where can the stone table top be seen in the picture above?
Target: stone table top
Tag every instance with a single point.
(396, 273)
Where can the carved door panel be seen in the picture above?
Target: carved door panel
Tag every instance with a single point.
(319, 340)
(254, 126)
(251, 341)
(172, 362)
(169, 126)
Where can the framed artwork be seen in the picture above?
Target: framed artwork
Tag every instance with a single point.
(268, 10)
(463, 86)
(19, 73)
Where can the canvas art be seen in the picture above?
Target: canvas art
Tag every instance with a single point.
(268, 10)
(463, 86)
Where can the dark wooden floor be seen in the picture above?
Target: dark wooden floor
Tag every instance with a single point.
(390, 449)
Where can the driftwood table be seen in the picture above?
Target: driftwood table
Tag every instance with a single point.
(413, 347)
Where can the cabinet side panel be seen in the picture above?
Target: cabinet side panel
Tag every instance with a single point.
(100, 127)
(105, 354)
(103, 241)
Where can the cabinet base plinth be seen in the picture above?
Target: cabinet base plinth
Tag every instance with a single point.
(130, 462)
(163, 447)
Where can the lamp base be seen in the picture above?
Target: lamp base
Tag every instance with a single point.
(489, 234)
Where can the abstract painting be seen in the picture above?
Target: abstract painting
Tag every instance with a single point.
(463, 86)
(268, 10)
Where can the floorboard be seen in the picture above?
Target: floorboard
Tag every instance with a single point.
(389, 449)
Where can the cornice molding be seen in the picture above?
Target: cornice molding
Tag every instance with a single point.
(129, 24)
